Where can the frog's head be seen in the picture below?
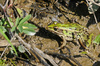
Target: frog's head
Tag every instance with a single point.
(53, 26)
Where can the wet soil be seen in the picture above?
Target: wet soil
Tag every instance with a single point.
(46, 12)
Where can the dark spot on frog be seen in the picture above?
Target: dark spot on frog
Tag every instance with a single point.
(58, 30)
(73, 35)
(75, 28)
(69, 37)
(70, 28)
(80, 29)
(66, 31)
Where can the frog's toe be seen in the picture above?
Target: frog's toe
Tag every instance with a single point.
(60, 48)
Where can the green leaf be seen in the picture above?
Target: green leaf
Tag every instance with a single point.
(21, 48)
(1, 23)
(8, 41)
(13, 29)
(29, 26)
(25, 19)
(17, 21)
(7, 23)
(10, 22)
(3, 29)
(20, 28)
(19, 11)
(2, 62)
(29, 31)
(4, 22)
(97, 39)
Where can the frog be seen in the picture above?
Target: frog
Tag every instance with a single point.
(70, 32)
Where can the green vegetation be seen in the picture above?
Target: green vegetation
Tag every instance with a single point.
(2, 62)
(19, 27)
(97, 39)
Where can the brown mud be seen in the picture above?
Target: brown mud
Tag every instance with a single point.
(44, 13)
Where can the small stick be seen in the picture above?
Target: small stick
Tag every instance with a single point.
(65, 56)
(94, 16)
(6, 48)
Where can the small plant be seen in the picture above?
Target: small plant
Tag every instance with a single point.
(21, 26)
(2, 62)
(97, 39)
(2, 31)
(4, 25)
(21, 48)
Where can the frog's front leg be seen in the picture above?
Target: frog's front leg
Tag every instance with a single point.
(63, 44)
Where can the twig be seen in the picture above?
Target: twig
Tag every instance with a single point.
(6, 4)
(3, 52)
(4, 43)
(98, 4)
(65, 56)
(94, 16)
(26, 44)
(3, 7)
(37, 51)
(8, 19)
(45, 56)
(41, 59)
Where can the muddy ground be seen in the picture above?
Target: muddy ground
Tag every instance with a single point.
(44, 13)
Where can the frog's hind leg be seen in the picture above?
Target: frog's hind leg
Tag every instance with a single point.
(82, 44)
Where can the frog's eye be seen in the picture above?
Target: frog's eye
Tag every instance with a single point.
(55, 28)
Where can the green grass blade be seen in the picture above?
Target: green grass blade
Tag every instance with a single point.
(8, 41)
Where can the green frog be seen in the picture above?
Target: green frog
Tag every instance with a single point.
(70, 32)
